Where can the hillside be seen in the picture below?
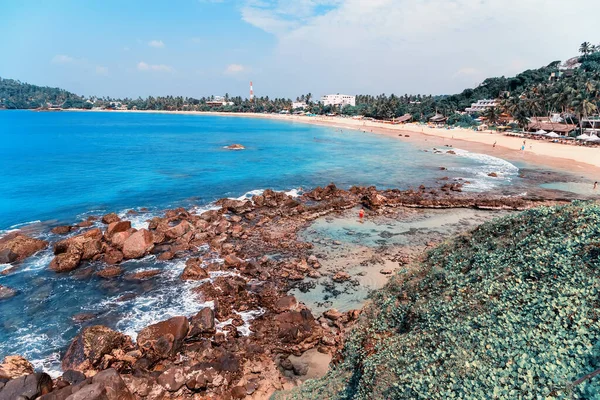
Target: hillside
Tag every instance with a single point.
(510, 310)
(19, 95)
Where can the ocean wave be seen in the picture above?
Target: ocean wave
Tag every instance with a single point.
(478, 174)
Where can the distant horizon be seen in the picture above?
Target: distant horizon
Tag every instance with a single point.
(208, 47)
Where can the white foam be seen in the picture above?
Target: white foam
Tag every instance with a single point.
(38, 262)
(487, 164)
(250, 194)
(247, 317)
(22, 224)
(294, 193)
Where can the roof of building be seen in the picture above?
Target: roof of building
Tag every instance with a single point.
(404, 118)
(438, 118)
(551, 126)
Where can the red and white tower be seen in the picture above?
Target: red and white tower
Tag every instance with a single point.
(251, 92)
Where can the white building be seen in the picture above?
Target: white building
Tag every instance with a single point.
(299, 104)
(219, 101)
(481, 106)
(338, 100)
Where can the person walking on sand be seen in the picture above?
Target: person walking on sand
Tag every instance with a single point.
(595, 185)
(494, 144)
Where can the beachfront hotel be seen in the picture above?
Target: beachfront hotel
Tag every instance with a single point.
(338, 100)
(481, 106)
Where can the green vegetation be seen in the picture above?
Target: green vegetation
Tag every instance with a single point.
(508, 311)
(19, 95)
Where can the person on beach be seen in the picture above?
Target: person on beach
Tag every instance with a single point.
(494, 144)
(595, 185)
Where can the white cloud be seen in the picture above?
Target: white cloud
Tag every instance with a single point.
(234, 69)
(142, 66)
(425, 46)
(156, 43)
(100, 70)
(62, 59)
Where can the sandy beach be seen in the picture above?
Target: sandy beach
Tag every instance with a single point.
(583, 161)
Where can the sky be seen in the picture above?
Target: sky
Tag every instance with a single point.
(286, 47)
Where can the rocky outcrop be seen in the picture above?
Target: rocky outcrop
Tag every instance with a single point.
(6, 292)
(235, 146)
(15, 366)
(65, 262)
(110, 218)
(194, 271)
(16, 247)
(202, 323)
(138, 244)
(61, 230)
(163, 339)
(94, 348)
(27, 387)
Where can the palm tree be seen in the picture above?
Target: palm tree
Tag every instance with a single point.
(492, 115)
(585, 48)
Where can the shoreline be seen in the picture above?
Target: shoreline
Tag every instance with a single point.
(584, 161)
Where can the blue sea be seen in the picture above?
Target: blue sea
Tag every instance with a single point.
(60, 167)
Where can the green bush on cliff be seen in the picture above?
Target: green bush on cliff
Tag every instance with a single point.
(509, 311)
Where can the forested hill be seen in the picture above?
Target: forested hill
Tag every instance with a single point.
(18, 95)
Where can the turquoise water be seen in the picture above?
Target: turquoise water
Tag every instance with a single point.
(57, 165)
(60, 167)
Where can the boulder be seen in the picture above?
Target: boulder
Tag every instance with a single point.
(73, 377)
(287, 303)
(110, 218)
(142, 275)
(163, 339)
(116, 227)
(61, 230)
(77, 244)
(178, 230)
(113, 256)
(235, 146)
(231, 260)
(193, 270)
(65, 262)
(7, 256)
(109, 272)
(15, 366)
(333, 314)
(341, 276)
(88, 348)
(493, 174)
(386, 271)
(138, 244)
(172, 379)
(20, 246)
(118, 239)
(106, 385)
(374, 200)
(27, 387)
(203, 322)
(6, 292)
(236, 206)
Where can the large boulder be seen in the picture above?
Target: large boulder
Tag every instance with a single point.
(163, 339)
(138, 244)
(116, 227)
(16, 246)
(193, 270)
(203, 322)
(65, 262)
(236, 206)
(27, 387)
(110, 218)
(15, 366)
(7, 256)
(106, 385)
(178, 230)
(88, 349)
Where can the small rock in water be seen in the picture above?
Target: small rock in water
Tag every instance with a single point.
(341, 276)
(386, 271)
(6, 292)
(493, 174)
(235, 146)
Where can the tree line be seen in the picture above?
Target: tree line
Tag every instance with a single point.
(530, 93)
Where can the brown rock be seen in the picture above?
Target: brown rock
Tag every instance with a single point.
(236, 206)
(116, 227)
(27, 387)
(138, 244)
(166, 256)
(172, 379)
(178, 230)
(110, 218)
(193, 270)
(287, 303)
(61, 230)
(106, 385)
(15, 366)
(111, 271)
(163, 339)
(341, 276)
(386, 271)
(65, 262)
(119, 238)
(231, 260)
(203, 322)
(91, 345)
(333, 314)
(113, 256)
(493, 174)
(143, 275)
(20, 245)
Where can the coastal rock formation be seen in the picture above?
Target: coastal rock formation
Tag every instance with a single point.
(65, 262)
(94, 348)
(61, 230)
(138, 244)
(16, 247)
(203, 322)
(193, 270)
(15, 366)
(110, 218)
(163, 339)
(26, 387)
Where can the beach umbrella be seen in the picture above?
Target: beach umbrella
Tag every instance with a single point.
(541, 132)
(583, 137)
(553, 135)
(593, 138)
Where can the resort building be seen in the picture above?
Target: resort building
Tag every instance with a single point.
(545, 124)
(481, 106)
(338, 100)
(299, 104)
(218, 101)
(590, 125)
